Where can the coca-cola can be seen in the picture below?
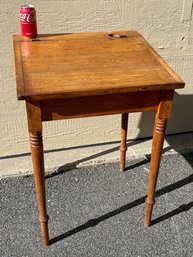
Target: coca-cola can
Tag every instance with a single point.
(28, 21)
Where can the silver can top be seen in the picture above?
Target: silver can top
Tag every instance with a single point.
(27, 6)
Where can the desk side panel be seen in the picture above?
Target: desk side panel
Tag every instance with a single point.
(99, 105)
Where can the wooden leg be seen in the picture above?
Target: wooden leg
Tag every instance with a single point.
(35, 133)
(158, 139)
(38, 165)
(123, 147)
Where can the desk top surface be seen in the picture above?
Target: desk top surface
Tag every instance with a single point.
(83, 64)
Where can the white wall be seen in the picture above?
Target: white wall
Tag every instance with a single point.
(158, 21)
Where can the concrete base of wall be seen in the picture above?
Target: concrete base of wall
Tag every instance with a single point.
(65, 159)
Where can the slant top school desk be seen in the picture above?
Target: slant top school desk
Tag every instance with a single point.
(88, 74)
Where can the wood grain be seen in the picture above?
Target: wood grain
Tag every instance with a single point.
(72, 36)
(123, 146)
(74, 65)
(19, 71)
(162, 61)
(34, 116)
(36, 143)
(99, 105)
(158, 139)
(162, 114)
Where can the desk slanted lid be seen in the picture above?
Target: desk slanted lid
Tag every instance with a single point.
(83, 64)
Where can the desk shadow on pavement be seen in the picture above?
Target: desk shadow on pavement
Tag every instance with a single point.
(73, 165)
(181, 119)
(141, 200)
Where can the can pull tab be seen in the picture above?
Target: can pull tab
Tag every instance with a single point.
(117, 35)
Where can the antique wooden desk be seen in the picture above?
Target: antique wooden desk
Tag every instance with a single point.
(88, 74)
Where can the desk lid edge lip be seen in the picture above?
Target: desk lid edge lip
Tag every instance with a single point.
(20, 38)
(162, 61)
(57, 95)
(19, 71)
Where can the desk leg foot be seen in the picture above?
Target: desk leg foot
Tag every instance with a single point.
(44, 229)
(38, 165)
(123, 146)
(158, 139)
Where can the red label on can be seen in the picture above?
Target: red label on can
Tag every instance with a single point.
(28, 21)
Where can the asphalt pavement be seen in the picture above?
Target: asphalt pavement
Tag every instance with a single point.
(97, 211)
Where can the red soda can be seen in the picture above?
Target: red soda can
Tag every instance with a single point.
(28, 21)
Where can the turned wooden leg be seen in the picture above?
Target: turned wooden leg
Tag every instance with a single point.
(123, 146)
(158, 139)
(35, 133)
(38, 165)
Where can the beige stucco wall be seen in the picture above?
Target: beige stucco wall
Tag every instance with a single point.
(159, 21)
